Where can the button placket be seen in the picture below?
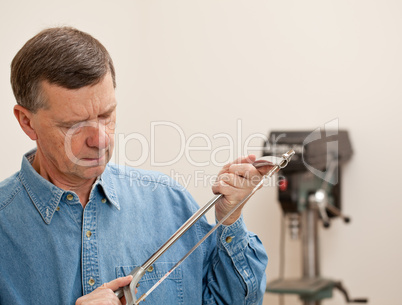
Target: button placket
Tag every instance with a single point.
(90, 258)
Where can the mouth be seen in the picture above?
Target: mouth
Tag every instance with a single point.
(94, 161)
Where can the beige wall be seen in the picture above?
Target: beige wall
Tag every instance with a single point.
(240, 68)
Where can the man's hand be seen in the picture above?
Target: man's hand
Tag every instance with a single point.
(104, 295)
(235, 181)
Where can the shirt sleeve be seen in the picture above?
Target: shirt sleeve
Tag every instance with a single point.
(235, 272)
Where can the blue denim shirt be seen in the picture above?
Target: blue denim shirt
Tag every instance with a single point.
(53, 251)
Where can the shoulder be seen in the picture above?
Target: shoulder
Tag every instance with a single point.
(141, 177)
(147, 186)
(9, 188)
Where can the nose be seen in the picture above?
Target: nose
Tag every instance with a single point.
(98, 137)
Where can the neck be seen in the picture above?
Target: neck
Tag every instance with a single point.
(82, 187)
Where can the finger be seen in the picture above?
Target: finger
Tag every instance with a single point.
(245, 170)
(234, 180)
(232, 187)
(260, 163)
(240, 160)
(119, 282)
(221, 187)
(245, 159)
(263, 166)
(226, 203)
(100, 295)
(237, 182)
(250, 171)
(264, 169)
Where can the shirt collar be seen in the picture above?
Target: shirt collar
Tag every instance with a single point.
(106, 182)
(46, 196)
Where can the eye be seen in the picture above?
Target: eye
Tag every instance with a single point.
(72, 129)
(105, 118)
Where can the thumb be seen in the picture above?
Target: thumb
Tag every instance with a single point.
(119, 282)
(245, 159)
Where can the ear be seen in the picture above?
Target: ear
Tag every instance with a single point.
(24, 118)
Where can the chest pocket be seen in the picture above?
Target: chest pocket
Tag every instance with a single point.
(170, 291)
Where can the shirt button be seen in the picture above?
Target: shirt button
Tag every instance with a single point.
(89, 233)
(91, 281)
(58, 209)
(150, 268)
(103, 200)
(229, 239)
(70, 197)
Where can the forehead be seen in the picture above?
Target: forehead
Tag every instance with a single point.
(79, 103)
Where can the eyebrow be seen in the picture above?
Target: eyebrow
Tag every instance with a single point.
(74, 122)
(109, 111)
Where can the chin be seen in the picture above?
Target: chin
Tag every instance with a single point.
(90, 172)
(91, 168)
(96, 170)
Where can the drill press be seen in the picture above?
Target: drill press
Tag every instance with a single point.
(309, 190)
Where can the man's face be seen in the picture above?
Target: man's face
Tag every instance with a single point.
(75, 133)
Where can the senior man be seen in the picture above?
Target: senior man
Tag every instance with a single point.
(73, 226)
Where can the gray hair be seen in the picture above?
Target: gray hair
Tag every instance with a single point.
(63, 56)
